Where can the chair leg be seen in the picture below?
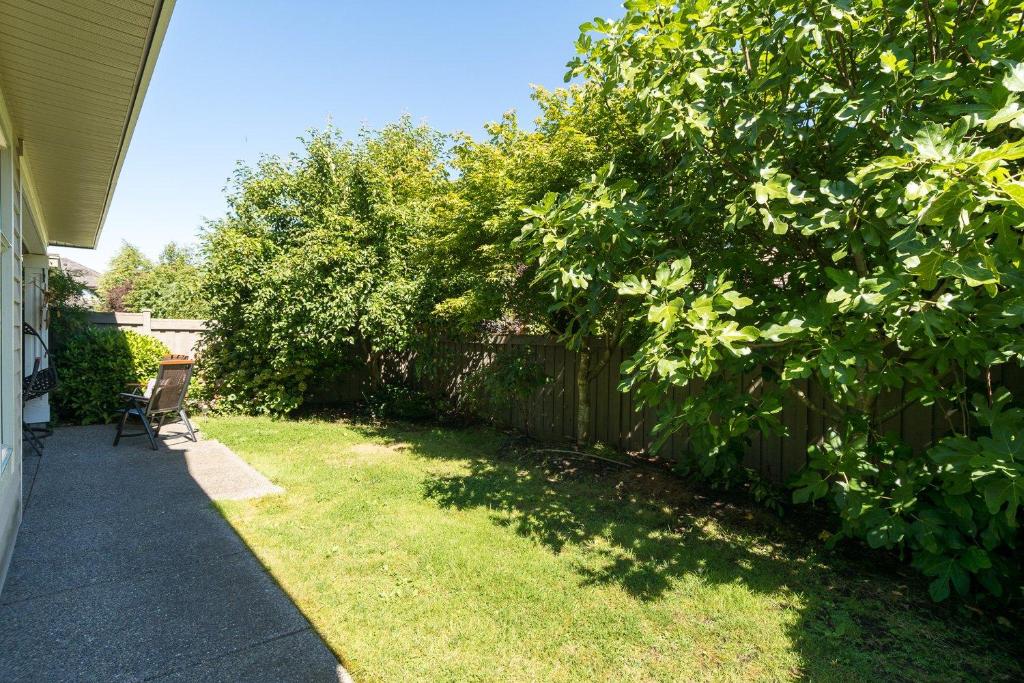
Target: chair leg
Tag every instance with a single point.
(188, 425)
(150, 434)
(120, 427)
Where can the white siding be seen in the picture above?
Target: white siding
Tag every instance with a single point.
(10, 355)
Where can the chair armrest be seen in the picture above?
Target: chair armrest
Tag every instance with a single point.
(138, 399)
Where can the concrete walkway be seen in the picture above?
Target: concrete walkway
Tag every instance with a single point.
(123, 571)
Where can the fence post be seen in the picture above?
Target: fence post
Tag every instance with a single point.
(147, 321)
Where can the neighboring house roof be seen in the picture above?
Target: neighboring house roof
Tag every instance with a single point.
(72, 79)
(84, 274)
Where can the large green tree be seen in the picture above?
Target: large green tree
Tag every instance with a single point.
(172, 287)
(832, 192)
(491, 276)
(125, 269)
(485, 275)
(315, 265)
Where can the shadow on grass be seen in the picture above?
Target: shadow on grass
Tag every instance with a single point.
(647, 531)
(649, 543)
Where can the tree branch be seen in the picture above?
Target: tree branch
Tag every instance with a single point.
(802, 397)
(933, 38)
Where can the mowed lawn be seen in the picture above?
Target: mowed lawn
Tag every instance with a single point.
(424, 553)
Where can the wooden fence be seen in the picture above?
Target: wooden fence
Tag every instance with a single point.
(617, 420)
(180, 335)
(615, 417)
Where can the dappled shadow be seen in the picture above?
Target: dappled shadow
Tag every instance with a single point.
(647, 532)
(650, 541)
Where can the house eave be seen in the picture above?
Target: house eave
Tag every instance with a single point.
(73, 79)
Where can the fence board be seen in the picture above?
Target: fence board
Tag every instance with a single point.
(752, 452)
(889, 401)
(180, 336)
(617, 419)
(917, 426)
(795, 418)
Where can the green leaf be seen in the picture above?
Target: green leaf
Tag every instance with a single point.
(942, 204)
(975, 559)
(940, 71)
(737, 300)
(939, 589)
(835, 296)
(779, 332)
(1015, 190)
(947, 570)
(1014, 79)
(1008, 114)
(927, 270)
(891, 63)
(1003, 489)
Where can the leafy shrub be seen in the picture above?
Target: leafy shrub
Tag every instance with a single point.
(68, 315)
(172, 288)
(829, 192)
(313, 264)
(96, 364)
(756, 195)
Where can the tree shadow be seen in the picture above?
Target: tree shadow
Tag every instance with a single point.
(653, 532)
(648, 532)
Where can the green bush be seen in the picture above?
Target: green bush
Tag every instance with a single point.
(68, 315)
(312, 264)
(753, 197)
(94, 365)
(829, 192)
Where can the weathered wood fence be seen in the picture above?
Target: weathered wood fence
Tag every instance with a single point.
(180, 335)
(615, 417)
(617, 420)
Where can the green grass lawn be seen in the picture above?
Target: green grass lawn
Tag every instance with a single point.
(426, 554)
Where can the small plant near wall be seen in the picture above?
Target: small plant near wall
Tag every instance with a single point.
(97, 364)
(68, 315)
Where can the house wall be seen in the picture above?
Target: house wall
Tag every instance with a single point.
(22, 243)
(10, 355)
(59, 162)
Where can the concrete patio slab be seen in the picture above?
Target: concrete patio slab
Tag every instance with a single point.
(124, 571)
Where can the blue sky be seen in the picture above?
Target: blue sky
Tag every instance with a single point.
(239, 79)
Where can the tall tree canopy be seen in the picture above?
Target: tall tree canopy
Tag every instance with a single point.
(170, 288)
(127, 266)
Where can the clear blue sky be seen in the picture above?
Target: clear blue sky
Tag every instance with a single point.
(242, 78)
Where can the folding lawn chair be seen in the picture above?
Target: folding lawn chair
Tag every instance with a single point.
(165, 398)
